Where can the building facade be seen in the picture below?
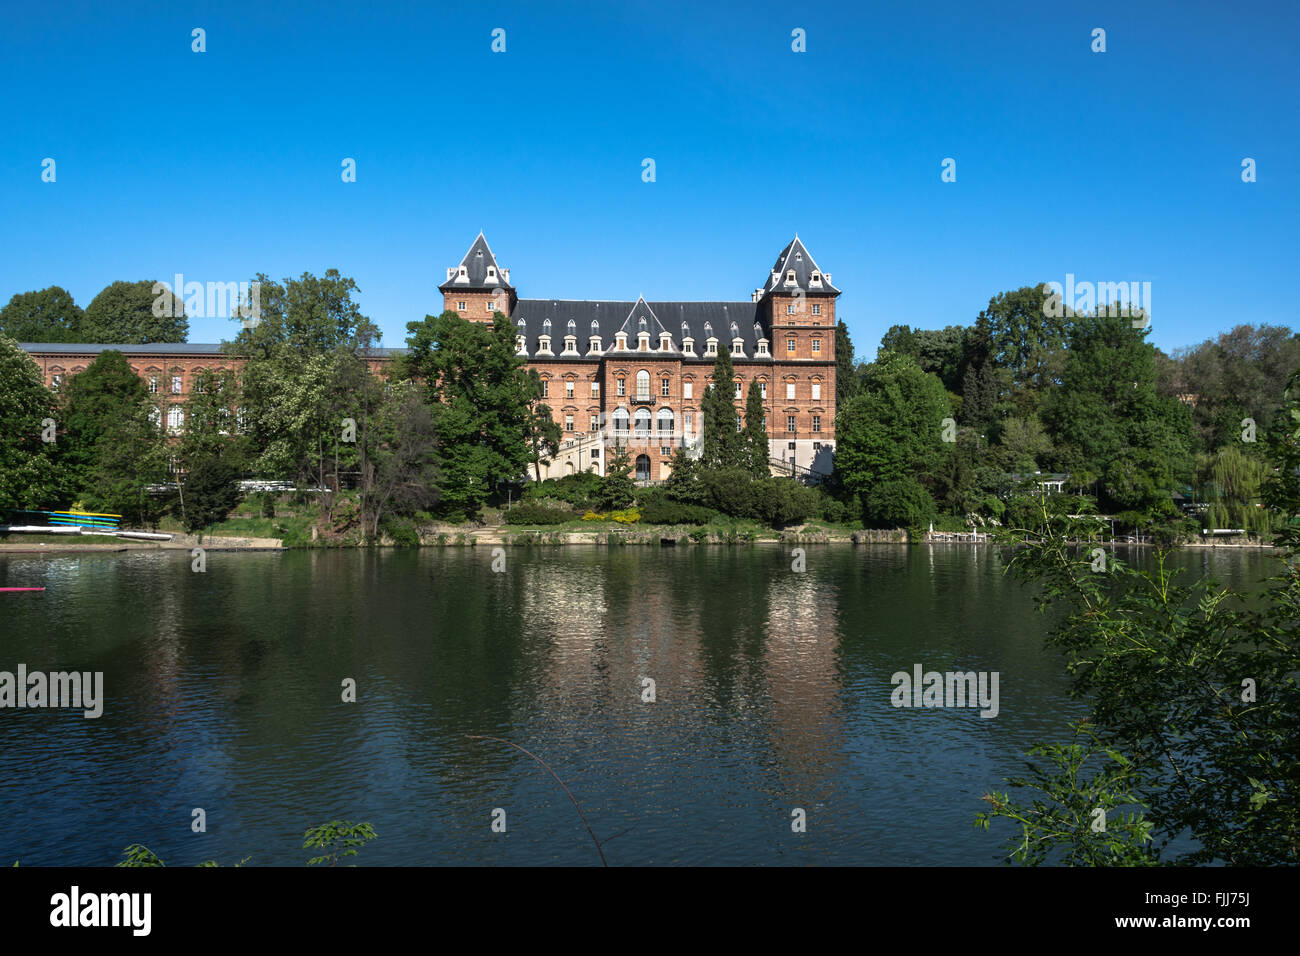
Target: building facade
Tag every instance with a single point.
(613, 372)
(634, 372)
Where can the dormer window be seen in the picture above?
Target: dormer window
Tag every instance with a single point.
(708, 329)
(798, 257)
(738, 347)
(758, 331)
(816, 278)
(688, 346)
(546, 327)
(595, 327)
(573, 327)
(711, 347)
(735, 330)
(520, 323)
(519, 345)
(544, 345)
(491, 272)
(641, 324)
(464, 273)
(789, 276)
(686, 331)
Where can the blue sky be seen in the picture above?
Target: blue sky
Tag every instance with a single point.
(1115, 166)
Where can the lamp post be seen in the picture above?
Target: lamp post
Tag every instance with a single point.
(794, 452)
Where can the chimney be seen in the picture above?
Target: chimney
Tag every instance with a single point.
(506, 273)
(828, 277)
(451, 271)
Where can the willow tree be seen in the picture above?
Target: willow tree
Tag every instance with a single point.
(1232, 481)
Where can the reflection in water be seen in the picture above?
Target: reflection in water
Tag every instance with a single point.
(772, 692)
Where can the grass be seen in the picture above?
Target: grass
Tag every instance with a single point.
(62, 539)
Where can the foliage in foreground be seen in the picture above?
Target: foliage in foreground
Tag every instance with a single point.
(335, 839)
(1194, 703)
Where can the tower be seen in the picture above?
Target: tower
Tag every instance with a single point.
(478, 287)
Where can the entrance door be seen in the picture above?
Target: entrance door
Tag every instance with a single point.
(642, 467)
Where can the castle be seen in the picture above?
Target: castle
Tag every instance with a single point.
(634, 372)
(612, 371)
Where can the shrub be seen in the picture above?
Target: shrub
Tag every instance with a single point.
(401, 530)
(898, 504)
(662, 511)
(532, 512)
(268, 504)
(630, 516)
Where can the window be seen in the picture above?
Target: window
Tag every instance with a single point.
(817, 423)
(176, 384)
(595, 423)
(595, 453)
(762, 387)
(664, 421)
(789, 390)
(175, 418)
(620, 420)
(737, 390)
(817, 390)
(664, 388)
(568, 392)
(568, 423)
(643, 385)
(460, 306)
(665, 450)
(643, 421)
(546, 389)
(817, 308)
(595, 389)
(817, 345)
(789, 423)
(737, 422)
(711, 348)
(57, 380)
(789, 309)
(789, 345)
(622, 386)
(687, 389)
(689, 420)
(487, 306)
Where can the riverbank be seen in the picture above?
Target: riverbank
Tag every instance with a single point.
(507, 536)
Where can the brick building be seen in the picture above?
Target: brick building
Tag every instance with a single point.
(613, 371)
(635, 371)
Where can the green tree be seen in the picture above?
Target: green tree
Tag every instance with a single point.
(543, 432)
(480, 392)
(1027, 339)
(754, 448)
(135, 313)
(30, 476)
(404, 475)
(845, 365)
(106, 403)
(722, 443)
(49, 315)
(617, 489)
(211, 491)
(894, 428)
(1107, 417)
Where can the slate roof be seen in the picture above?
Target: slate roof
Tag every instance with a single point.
(703, 320)
(476, 264)
(796, 256)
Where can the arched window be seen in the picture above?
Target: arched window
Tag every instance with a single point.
(735, 330)
(708, 330)
(573, 327)
(595, 327)
(643, 384)
(546, 327)
(665, 421)
(620, 419)
(641, 324)
(642, 422)
(642, 467)
(686, 331)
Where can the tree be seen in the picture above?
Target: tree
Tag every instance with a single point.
(211, 491)
(210, 430)
(893, 429)
(722, 443)
(1027, 339)
(479, 392)
(900, 503)
(845, 365)
(135, 313)
(1106, 417)
(404, 474)
(754, 451)
(543, 432)
(30, 476)
(617, 489)
(101, 405)
(49, 315)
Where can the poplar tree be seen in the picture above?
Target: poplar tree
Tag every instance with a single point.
(754, 448)
(722, 445)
